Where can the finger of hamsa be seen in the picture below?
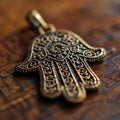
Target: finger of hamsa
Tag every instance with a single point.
(50, 85)
(90, 79)
(74, 90)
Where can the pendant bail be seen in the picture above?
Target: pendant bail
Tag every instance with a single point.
(36, 19)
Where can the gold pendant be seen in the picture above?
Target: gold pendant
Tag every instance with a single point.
(61, 58)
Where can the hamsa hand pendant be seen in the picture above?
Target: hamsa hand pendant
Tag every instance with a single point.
(61, 58)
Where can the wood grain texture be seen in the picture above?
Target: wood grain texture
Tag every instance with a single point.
(97, 21)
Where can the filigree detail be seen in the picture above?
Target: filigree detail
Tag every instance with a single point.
(61, 58)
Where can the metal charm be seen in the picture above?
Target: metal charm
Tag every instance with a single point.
(61, 59)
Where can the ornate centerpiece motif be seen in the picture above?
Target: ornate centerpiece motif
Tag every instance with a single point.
(61, 59)
(57, 50)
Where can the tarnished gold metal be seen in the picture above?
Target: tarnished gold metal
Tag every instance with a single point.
(61, 58)
(36, 19)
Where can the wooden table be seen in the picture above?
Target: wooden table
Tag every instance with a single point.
(97, 21)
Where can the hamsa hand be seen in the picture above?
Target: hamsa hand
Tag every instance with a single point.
(61, 59)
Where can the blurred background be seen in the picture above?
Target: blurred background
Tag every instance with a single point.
(85, 13)
(97, 21)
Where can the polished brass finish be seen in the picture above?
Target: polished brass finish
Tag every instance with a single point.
(61, 58)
